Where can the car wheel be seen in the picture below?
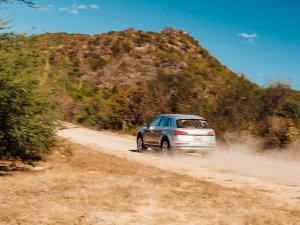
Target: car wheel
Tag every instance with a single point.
(165, 148)
(140, 144)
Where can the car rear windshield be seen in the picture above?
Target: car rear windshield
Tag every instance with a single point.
(192, 123)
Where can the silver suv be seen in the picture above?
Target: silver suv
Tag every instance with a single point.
(183, 133)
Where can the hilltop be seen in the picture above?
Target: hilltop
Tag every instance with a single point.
(120, 80)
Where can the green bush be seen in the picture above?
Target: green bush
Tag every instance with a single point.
(291, 109)
(26, 120)
(26, 117)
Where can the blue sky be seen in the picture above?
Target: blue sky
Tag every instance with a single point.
(259, 38)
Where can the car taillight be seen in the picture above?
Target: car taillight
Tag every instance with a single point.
(180, 132)
(211, 133)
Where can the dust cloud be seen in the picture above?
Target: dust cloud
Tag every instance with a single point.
(245, 158)
(240, 157)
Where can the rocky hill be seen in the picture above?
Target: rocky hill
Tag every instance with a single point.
(119, 80)
(131, 57)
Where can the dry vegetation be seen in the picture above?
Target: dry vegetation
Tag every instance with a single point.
(97, 188)
(121, 80)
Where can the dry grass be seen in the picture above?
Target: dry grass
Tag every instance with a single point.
(97, 188)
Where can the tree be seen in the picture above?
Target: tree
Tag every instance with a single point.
(26, 118)
(26, 113)
(27, 2)
(30, 3)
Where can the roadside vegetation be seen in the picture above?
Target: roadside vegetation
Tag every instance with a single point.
(27, 118)
(120, 80)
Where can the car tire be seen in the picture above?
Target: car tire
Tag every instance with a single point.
(165, 147)
(140, 144)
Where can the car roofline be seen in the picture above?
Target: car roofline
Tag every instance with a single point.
(183, 116)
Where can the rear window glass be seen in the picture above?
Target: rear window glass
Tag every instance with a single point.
(192, 123)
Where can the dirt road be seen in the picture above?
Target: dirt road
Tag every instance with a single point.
(104, 181)
(278, 178)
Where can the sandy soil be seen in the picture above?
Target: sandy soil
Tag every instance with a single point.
(279, 175)
(105, 182)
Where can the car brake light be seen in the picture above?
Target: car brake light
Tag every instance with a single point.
(211, 133)
(180, 132)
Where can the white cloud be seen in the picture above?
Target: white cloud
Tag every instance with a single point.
(75, 9)
(82, 6)
(92, 6)
(45, 8)
(250, 38)
(66, 9)
(42, 8)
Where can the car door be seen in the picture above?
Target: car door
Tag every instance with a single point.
(150, 131)
(160, 130)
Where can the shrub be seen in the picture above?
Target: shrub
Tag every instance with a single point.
(26, 121)
(291, 109)
(96, 63)
(26, 118)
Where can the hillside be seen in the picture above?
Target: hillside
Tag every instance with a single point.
(120, 80)
(130, 56)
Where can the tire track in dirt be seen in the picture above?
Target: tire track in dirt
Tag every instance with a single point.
(229, 169)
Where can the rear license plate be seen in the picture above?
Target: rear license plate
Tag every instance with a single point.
(197, 138)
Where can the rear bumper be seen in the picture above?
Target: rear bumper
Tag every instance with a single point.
(203, 148)
(195, 150)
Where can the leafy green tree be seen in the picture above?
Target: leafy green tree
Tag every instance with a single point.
(26, 112)
(281, 114)
(275, 96)
(238, 106)
(291, 109)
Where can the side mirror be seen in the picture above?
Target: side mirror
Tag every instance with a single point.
(146, 125)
